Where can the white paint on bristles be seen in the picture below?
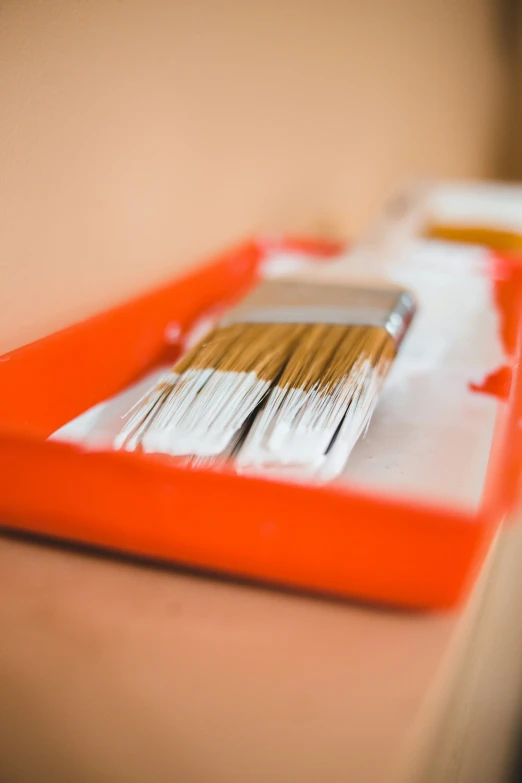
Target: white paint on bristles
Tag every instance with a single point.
(204, 413)
(298, 428)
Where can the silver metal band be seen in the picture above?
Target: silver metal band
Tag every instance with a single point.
(299, 302)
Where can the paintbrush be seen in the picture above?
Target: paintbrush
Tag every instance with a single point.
(288, 379)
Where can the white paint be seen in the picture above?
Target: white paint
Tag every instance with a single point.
(489, 205)
(98, 427)
(431, 436)
(202, 416)
(283, 264)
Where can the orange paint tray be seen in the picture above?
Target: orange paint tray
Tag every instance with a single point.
(328, 539)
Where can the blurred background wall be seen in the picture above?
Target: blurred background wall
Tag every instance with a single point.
(510, 18)
(138, 135)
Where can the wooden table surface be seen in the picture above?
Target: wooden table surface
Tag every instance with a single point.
(111, 671)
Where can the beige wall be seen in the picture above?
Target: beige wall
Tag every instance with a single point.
(138, 135)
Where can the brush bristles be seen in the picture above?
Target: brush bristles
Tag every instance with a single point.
(219, 384)
(322, 403)
(142, 413)
(293, 398)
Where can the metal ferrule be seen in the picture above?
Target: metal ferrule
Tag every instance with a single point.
(284, 301)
